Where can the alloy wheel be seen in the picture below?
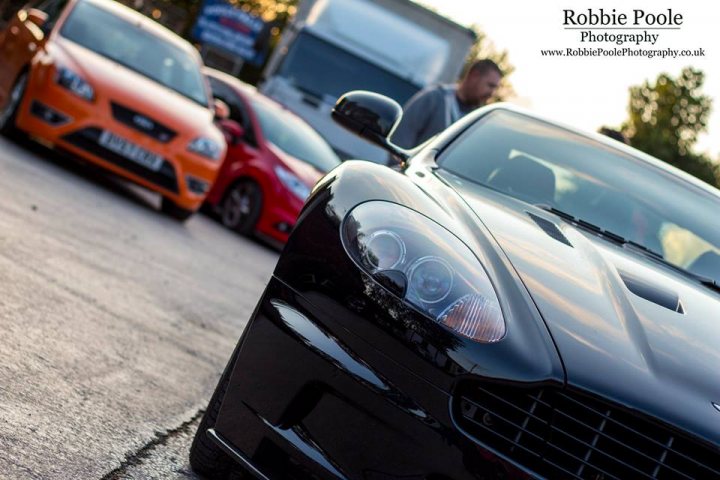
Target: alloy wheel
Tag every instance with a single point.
(241, 207)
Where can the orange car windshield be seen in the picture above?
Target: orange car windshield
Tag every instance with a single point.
(135, 48)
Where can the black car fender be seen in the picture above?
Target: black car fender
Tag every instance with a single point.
(316, 265)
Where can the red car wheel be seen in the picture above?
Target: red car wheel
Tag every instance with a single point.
(241, 206)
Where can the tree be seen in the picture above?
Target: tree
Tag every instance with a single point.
(666, 118)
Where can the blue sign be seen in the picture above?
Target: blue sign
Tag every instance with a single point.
(223, 26)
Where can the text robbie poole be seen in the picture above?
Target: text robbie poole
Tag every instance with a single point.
(601, 25)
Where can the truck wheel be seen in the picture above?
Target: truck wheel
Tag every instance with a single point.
(241, 206)
(172, 209)
(9, 110)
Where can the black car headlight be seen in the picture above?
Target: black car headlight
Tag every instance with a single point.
(427, 266)
(75, 83)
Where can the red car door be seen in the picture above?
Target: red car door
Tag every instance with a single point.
(241, 151)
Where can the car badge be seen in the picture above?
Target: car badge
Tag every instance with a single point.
(717, 406)
(143, 122)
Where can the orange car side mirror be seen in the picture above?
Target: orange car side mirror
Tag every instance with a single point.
(222, 111)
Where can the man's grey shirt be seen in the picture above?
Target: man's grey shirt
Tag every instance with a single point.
(428, 112)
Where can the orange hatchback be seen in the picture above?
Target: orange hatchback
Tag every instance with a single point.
(113, 87)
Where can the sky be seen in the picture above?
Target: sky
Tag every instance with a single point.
(588, 92)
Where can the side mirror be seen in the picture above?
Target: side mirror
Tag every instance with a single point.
(232, 130)
(371, 116)
(221, 110)
(37, 17)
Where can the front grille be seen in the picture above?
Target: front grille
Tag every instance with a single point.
(560, 434)
(87, 139)
(142, 123)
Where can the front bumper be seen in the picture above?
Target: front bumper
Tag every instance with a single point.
(306, 400)
(279, 214)
(55, 116)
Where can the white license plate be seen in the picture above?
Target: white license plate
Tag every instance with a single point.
(130, 151)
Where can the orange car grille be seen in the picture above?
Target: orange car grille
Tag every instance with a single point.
(142, 123)
(87, 139)
(561, 434)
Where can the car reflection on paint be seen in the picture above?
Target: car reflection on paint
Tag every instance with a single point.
(520, 300)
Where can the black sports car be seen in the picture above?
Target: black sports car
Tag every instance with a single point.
(518, 300)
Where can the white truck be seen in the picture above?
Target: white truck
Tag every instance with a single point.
(393, 47)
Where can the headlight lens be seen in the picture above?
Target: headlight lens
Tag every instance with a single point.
(75, 83)
(293, 183)
(206, 147)
(427, 266)
(430, 279)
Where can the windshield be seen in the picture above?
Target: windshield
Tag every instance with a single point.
(319, 68)
(541, 163)
(128, 44)
(294, 137)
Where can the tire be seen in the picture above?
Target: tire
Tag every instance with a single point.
(8, 113)
(206, 458)
(172, 209)
(241, 206)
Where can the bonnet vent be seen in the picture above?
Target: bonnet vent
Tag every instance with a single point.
(550, 228)
(652, 293)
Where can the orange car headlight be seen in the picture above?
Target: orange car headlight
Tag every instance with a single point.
(206, 147)
(75, 83)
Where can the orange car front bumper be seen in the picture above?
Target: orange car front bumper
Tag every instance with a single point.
(56, 116)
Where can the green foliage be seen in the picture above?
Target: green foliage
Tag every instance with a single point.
(666, 118)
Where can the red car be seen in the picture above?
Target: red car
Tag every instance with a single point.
(273, 160)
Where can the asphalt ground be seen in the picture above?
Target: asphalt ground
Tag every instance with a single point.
(115, 321)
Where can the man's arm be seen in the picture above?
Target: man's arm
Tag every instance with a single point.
(416, 114)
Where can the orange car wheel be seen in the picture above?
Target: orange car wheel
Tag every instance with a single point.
(9, 111)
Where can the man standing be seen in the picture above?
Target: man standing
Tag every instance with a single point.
(433, 109)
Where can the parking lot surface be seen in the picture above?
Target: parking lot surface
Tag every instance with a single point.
(115, 321)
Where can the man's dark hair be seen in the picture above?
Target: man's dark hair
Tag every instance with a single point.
(484, 66)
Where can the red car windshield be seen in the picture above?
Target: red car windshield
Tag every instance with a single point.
(294, 137)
